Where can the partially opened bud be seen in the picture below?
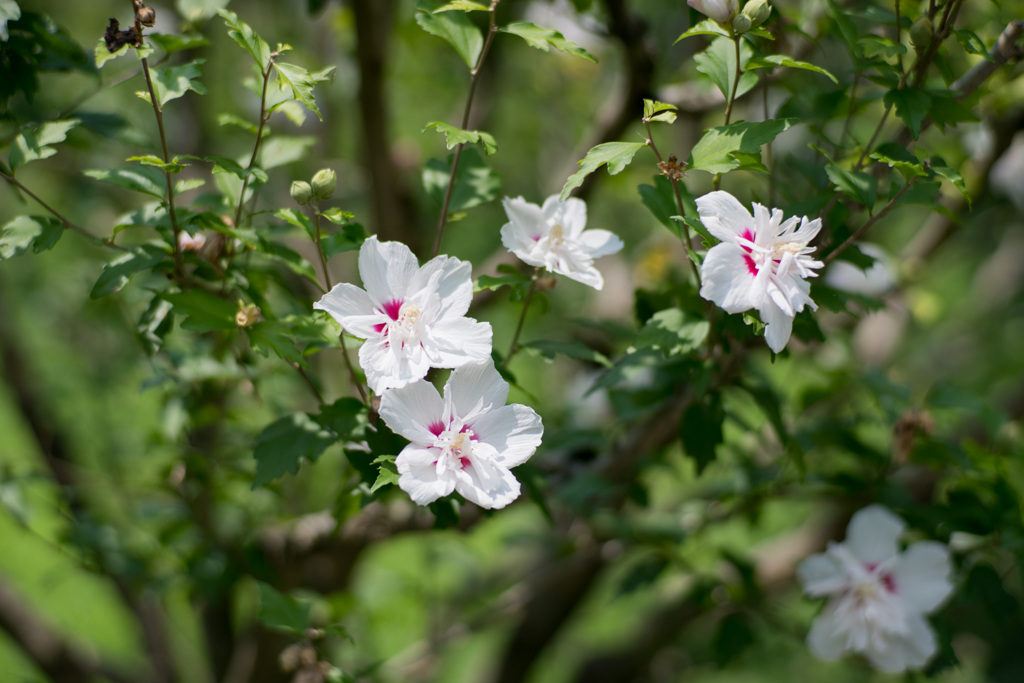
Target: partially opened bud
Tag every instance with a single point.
(324, 183)
(758, 11)
(719, 10)
(301, 192)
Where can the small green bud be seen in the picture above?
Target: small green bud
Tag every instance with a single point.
(921, 33)
(757, 11)
(301, 192)
(324, 183)
(741, 23)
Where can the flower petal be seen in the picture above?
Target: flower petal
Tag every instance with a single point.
(526, 219)
(597, 243)
(417, 475)
(827, 639)
(454, 284)
(728, 279)
(410, 410)
(488, 484)
(921, 575)
(458, 341)
(351, 307)
(389, 367)
(473, 385)
(515, 431)
(821, 574)
(779, 326)
(723, 215)
(386, 269)
(873, 533)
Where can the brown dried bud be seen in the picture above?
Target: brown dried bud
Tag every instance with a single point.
(289, 657)
(673, 168)
(145, 15)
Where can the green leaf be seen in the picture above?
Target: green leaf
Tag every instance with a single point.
(205, 311)
(101, 55)
(701, 430)
(476, 182)
(545, 39)
(283, 612)
(954, 177)
(782, 60)
(707, 27)
(387, 474)
(349, 238)
(911, 105)
(243, 34)
(857, 185)
(735, 635)
(457, 136)
(896, 156)
(171, 43)
(717, 151)
(972, 44)
(280, 150)
(674, 332)
(512, 277)
(226, 165)
(38, 233)
(236, 120)
(617, 155)
(464, 5)
(718, 62)
(285, 443)
(871, 45)
(574, 350)
(117, 273)
(173, 82)
(34, 144)
(279, 253)
(144, 179)
(301, 82)
(457, 29)
(660, 200)
(174, 166)
(298, 219)
(193, 11)
(659, 111)
(271, 337)
(9, 11)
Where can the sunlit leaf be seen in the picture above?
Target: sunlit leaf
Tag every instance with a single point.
(457, 136)
(545, 39)
(247, 39)
(285, 443)
(38, 233)
(457, 29)
(302, 83)
(616, 155)
(173, 82)
(117, 273)
(464, 5)
(144, 179)
(476, 182)
(857, 185)
(716, 152)
(35, 143)
(771, 61)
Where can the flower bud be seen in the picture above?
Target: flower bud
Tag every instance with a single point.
(719, 10)
(757, 11)
(301, 192)
(741, 23)
(324, 183)
(247, 314)
(146, 15)
(921, 33)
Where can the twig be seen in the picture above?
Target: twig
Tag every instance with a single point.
(264, 117)
(59, 216)
(871, 221)
(522, 316)
(475, 73)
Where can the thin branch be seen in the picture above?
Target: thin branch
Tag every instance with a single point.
(443, 219)
(871, 221)
(352, 370)
(99, 241)
(179, 264)
(264, 117)
(513, 347)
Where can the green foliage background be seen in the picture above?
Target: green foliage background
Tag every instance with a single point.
(133, 530)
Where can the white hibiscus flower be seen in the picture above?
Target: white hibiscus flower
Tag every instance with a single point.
(762, 262)
(467, 441)
(553, 237)
(719, 10)
(412, 317)
(878, 596)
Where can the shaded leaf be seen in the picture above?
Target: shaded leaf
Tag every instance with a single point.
(701, 430)
(173, 82)
(301, 82)
(911, 105)
(144, 179)
(285, 443)
(475, 181)
(283, 612)
(771, 61)
(117, 273)
(574, 350)
(171, 43)
(857, 185)
(205, 311)
(673, 331)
